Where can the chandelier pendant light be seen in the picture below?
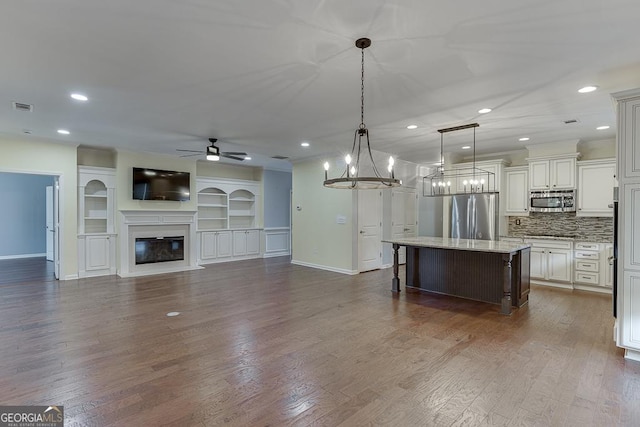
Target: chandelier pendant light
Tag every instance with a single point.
(459, 180)
(351, 178)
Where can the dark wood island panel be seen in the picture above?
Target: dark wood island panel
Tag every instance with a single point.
(492, 272)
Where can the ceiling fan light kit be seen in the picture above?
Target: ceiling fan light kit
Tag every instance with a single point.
(213, 153)
(351, 178)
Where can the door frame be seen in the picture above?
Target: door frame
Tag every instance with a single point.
(360, 249)
(58, 202)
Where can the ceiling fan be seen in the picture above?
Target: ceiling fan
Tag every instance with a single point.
(213, 153)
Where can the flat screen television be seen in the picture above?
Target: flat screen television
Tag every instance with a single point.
(156, 184)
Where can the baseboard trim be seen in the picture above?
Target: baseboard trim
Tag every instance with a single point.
(632, 354)
(553, 284)
(325, 267)
(153, 273)
(275, 254)
(598, 289)
(70, 277)
(22, 256)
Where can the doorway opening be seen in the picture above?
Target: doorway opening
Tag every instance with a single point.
(29, 246)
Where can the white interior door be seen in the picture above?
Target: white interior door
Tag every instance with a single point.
(369, 230)
(49, 222)
(403, 218)
(56, 227)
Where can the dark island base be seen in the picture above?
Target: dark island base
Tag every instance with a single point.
(495, 278)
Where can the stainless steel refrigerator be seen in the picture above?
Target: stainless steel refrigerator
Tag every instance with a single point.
(474, 216)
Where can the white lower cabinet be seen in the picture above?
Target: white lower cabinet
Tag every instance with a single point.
(607, 265)
(551, 260)
(246, 242)
(591, 267)
(97, 255)
(215, 244)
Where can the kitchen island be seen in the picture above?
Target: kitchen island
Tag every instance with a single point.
(483, 270)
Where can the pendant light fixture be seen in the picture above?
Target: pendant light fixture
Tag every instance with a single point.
(351, 178)
(458, 180)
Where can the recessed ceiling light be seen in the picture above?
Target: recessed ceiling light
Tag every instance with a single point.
(305, 144)
(63, 132)
(602, 127)
(526, 138)
(79, 97)
(484, 110)
(587, 89)
(412, 127)
(247, 158)
(466, 147)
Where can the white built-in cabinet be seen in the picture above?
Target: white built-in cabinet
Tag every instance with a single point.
(215, 245)
(96, 216)
(627, 327)
(228, 224)
(516, 198)
(246, 242)
(596, 179)
(551, 260)
(552, 173)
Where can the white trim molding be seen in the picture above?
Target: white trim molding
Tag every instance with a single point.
(277, 242)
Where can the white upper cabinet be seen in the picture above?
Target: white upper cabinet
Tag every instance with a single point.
(552, 174)
(596, 180)
(517, 191)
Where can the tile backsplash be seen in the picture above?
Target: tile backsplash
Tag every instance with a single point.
(592, 229)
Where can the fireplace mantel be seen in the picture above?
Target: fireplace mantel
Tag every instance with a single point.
(159, 223)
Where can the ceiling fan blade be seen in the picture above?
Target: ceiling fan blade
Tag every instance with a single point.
(235, 153)
(190, 151)
(232, 157)
(191, 155)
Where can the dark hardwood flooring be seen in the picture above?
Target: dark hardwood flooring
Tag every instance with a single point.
(267, 343)
(26, 270)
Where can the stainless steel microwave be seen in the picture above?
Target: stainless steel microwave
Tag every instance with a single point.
(552, 201)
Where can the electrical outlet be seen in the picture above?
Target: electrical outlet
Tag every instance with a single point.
(518, 222)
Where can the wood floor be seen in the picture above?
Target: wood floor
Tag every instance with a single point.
(267, 343)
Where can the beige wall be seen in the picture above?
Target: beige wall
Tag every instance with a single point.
(126, 161)
(317, 239)
(35, 156)
(222, 170)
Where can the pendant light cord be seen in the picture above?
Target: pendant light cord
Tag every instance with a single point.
(362, 126)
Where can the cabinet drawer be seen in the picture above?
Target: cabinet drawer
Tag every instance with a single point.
(587, 255)
(550, 244)
(588, 246)
(588, 266)
(590, 278)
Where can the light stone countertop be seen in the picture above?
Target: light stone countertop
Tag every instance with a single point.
(461, 244)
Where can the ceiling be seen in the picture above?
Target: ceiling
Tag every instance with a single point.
(264, 76)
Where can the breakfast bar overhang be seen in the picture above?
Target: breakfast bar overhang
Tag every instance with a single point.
(483, 270)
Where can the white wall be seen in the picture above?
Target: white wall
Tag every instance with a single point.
(317, 239)
(32, 155)
(23, 220)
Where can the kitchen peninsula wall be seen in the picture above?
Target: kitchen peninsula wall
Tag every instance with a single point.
(593, 229)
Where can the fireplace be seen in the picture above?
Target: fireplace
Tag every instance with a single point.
(159, 249)
(153, 242)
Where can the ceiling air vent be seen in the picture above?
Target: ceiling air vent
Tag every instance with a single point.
(21, 106)
(571, 121)
(279, 157)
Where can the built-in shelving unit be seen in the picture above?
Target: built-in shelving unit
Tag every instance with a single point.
(96, 229)
(241, 209)
(228, 225)
(212, 209)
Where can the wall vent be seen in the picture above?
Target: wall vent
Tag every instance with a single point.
(21, 106)
(279, 157)
(571, 121)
